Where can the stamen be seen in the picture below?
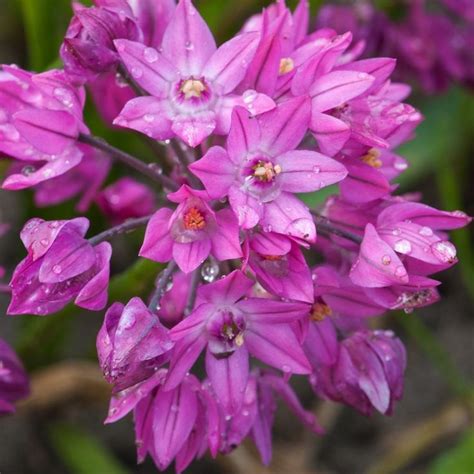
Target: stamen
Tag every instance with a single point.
(372, 158)
(286, 65)
(320, 311)
(193, 219)
(265, 171)
(192, 88)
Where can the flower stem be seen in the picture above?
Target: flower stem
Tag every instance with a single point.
(185, 161)
(154, 172)
(195, 279)
(327, 226)
(127, 226)
(161, 283)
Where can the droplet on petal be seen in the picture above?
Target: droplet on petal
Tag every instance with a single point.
(386, 259)
(425, 231)
(150, 55)
(445, 251)
(402, 246)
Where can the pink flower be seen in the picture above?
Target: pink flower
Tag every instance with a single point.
(190, 82)
(260, 169)
(60, 266)
(192, 232)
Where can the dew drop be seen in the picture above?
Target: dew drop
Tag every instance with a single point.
(316, 169)
(249, 96)
(400, 272)
(136, 72)
(210, 271)
(149, 118)
(189, 46)
(57, 269)
(396, 231)
(403, 246)
(444, 251)
(28, 170)
(386, 259)
(425, 231)
(44, 242)
(150, 55)
(228, 417)
(459, 214)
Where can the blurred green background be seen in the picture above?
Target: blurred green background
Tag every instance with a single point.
(60, 429)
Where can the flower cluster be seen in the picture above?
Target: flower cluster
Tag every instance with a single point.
(433, 41)
(248, 271)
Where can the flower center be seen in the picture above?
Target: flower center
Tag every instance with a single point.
(192, 88)
(320, 311)
(232, 333)
(266, 171)
(193, 219)
(286, 65)
(372, 158)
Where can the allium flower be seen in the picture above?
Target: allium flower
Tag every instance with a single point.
(88, 47)
(14, 384)
(60, 266)
(190, 82)
(367, 374)
(260, 169)
(40, 120)
(126, 198)
(191, 232)
(232, 326)
(131, 344)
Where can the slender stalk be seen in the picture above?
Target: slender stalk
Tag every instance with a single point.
(154, 172)
(326, 226)
(161, 283)
(185, 161)
(122, 70)
(127, 226)
(195, 279)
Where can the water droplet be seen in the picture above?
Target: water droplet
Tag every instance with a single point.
(316, 169)
(458, 214)
(403, 246)
(189, 46)
(150, 55)
(286, 369)
(149, 118)
(245, 412)
(228, 417)
(53, 225)
(64, 96)
(386, 259)
(44, 242)
(396, 231)
(174, 408)
(136, 72)
(28, 170)
(400, 272)
(267, 228)
(249, 96)
(426, 231)
(362, 75)
(445, 251)
(169, 285)
(210, 271)
(57, 269)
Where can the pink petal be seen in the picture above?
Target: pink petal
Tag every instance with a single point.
(330, 132)
(158, 244)
(190, 255)
(187, 42)
(195, 128)
(225, 240)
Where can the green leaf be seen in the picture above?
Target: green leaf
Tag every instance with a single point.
(45, 24)
(458, 460)
(82, 453)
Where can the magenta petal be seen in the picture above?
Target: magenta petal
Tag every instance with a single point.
(270, 243)
(277, 346)
(377, 265)
(216, 171)
(94, 294)
(195, 128)
(125, 401)
(158, 244)
(147, 115)
(337, 87)
(69, 256)
(50, 131)
(190, 255)
(306, 171)
(321, 344)
(227, 290)
(262, 428)
(283, 128)
(330, 132)
(228, 377)
(247, 208)
(244, 135)
(174, 415)
(147, 67)
(225, 240)
(225, 65)
(289, 216)
(187, 42)
(185, 353)
(264, 311)
(363, 184)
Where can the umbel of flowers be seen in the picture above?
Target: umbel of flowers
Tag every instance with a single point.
(249, 272)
